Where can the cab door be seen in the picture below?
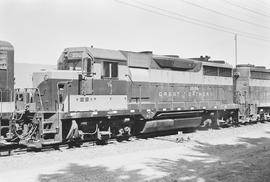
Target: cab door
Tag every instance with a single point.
(86, 78)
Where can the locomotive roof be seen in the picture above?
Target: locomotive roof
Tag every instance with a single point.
(216, 64)
(260, 69)
(254, 68)
(100, 53)
(5, 44)
(143, 58)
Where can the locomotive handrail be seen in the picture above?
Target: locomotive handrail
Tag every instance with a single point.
(40, 99)
(129, 77)
(36, 89)
(140, 87)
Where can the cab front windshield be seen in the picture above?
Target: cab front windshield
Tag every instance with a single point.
(83, 65)
(75, 65)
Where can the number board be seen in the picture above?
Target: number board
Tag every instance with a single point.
(75, 55)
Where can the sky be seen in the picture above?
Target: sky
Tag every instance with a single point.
(40, 29)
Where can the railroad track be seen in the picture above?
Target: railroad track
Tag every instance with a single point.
(170, 136)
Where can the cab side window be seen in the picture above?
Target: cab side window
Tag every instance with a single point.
(110, 70)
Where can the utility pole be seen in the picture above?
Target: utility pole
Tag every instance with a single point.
(235, 48)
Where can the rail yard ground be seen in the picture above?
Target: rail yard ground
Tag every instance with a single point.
(229, 154)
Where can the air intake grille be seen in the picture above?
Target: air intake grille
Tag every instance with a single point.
(260, 75)
(210, 71)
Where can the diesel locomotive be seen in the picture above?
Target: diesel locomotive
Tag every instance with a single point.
(252, 92)
(97, 94)
(7, 106)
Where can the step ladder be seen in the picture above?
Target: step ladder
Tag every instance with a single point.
(48, 131)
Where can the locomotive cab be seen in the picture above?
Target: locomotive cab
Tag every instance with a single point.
(79, 61)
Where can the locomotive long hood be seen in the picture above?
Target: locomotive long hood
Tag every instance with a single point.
(175, 63)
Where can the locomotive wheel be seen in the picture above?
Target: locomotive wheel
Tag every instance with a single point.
(101, 142)
(73, 144)
(119, 139)
(122, 138)
(56, 147)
